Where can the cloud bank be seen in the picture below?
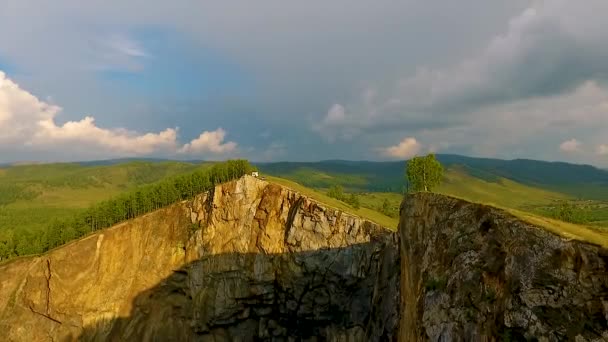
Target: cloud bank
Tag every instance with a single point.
(571, 145)
(332, 79)
(26, 121)
(210, 142)
(407, 148)
(544, 76)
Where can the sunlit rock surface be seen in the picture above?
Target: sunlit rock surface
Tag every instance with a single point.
(251, 261)
(254, 261)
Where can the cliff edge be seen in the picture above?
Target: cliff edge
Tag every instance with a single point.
(255, 261)
(250, 261)
(475, 273)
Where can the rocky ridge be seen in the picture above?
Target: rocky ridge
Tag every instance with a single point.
(254, 261)
(250, 261)
(471, 272)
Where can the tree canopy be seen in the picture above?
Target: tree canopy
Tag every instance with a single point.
(424, 173)
(143, 199)
(337, 192)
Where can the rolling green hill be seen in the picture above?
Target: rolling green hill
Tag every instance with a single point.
(583, 181)
(29, 227)
(532, 186)
(502, 193)
(31, 195)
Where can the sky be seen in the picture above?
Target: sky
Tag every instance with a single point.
(274, 80)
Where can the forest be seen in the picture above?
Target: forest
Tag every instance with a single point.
(143, 199)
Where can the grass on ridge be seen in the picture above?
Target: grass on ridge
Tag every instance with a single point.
(502, 192)
(567, 230)
(365, 213)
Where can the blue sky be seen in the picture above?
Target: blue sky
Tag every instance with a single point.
(314, 80)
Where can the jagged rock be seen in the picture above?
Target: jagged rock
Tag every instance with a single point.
(251, 261)
(474, 273)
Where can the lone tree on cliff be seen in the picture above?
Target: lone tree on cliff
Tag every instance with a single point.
(424, 173)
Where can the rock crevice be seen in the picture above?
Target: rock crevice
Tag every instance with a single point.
(251, 261)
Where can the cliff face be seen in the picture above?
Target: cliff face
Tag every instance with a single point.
(251, 261)
(474, 273)
(255, 261)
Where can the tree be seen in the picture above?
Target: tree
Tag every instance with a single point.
(4, 251)
(424, 173)
(336, 192)
(568, 212)
(386, 207)
(353, 200)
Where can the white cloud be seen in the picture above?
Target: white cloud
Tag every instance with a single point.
(20, 112)
(528, 126)
(210, 141)
(571, 145)
(336, 114)
(407, 148)
(602, 149)
(542, 78)
(488, 101)
(25, 121)
(117, 140)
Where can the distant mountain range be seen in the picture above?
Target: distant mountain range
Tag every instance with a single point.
(585, 181)
(578, 180)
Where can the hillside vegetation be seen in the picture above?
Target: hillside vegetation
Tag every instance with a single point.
(34, 197)
(582, 181)
(527, 185)
(31, 195)
(365, 212)
(143, 199)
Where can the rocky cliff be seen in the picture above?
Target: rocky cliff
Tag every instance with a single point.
(250, 261)
(254, 261)
(474, 273)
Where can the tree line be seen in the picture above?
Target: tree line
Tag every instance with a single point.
(10, 193)
(126, 206)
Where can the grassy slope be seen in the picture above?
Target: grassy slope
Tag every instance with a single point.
(501, 192)
(565, 229)
(568, 230)
(514, 194)
(366, 213)
(458, 183)
(581, 181)
(65, 189)
(375, 199)
(527, 185)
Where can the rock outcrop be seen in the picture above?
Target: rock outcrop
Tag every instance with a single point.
(254, 261)
(251, 261)
(474, 273)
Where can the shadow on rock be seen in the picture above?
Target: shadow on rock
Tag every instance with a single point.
(344, 294)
